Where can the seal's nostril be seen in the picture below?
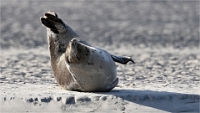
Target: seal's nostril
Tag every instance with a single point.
(73, 40)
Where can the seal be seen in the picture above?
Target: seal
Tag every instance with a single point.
(75, 64)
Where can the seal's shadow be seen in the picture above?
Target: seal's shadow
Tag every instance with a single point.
(166, 101)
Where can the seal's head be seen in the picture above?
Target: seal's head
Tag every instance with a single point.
(77, 51)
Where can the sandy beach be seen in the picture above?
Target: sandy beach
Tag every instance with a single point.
(162, 38)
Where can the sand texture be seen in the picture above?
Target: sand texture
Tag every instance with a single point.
(162, 37)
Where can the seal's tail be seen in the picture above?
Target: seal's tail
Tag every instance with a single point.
(51, 21)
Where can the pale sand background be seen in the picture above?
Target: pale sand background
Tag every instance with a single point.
(162, 37)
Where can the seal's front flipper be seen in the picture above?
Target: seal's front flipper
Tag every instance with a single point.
(122, 59)
(51, 21)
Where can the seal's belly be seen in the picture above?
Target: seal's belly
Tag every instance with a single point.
(97, 73)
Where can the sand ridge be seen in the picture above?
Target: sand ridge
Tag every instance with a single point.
(119, 99)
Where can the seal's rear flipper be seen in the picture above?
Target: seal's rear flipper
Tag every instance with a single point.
(122, 59)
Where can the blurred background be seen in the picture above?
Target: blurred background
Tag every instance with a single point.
(140, 24)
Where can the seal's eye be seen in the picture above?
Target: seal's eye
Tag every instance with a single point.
(78, 57)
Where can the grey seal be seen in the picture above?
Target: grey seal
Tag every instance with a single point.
(64, 56)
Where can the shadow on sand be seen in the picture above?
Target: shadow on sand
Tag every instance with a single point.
(166, 101)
